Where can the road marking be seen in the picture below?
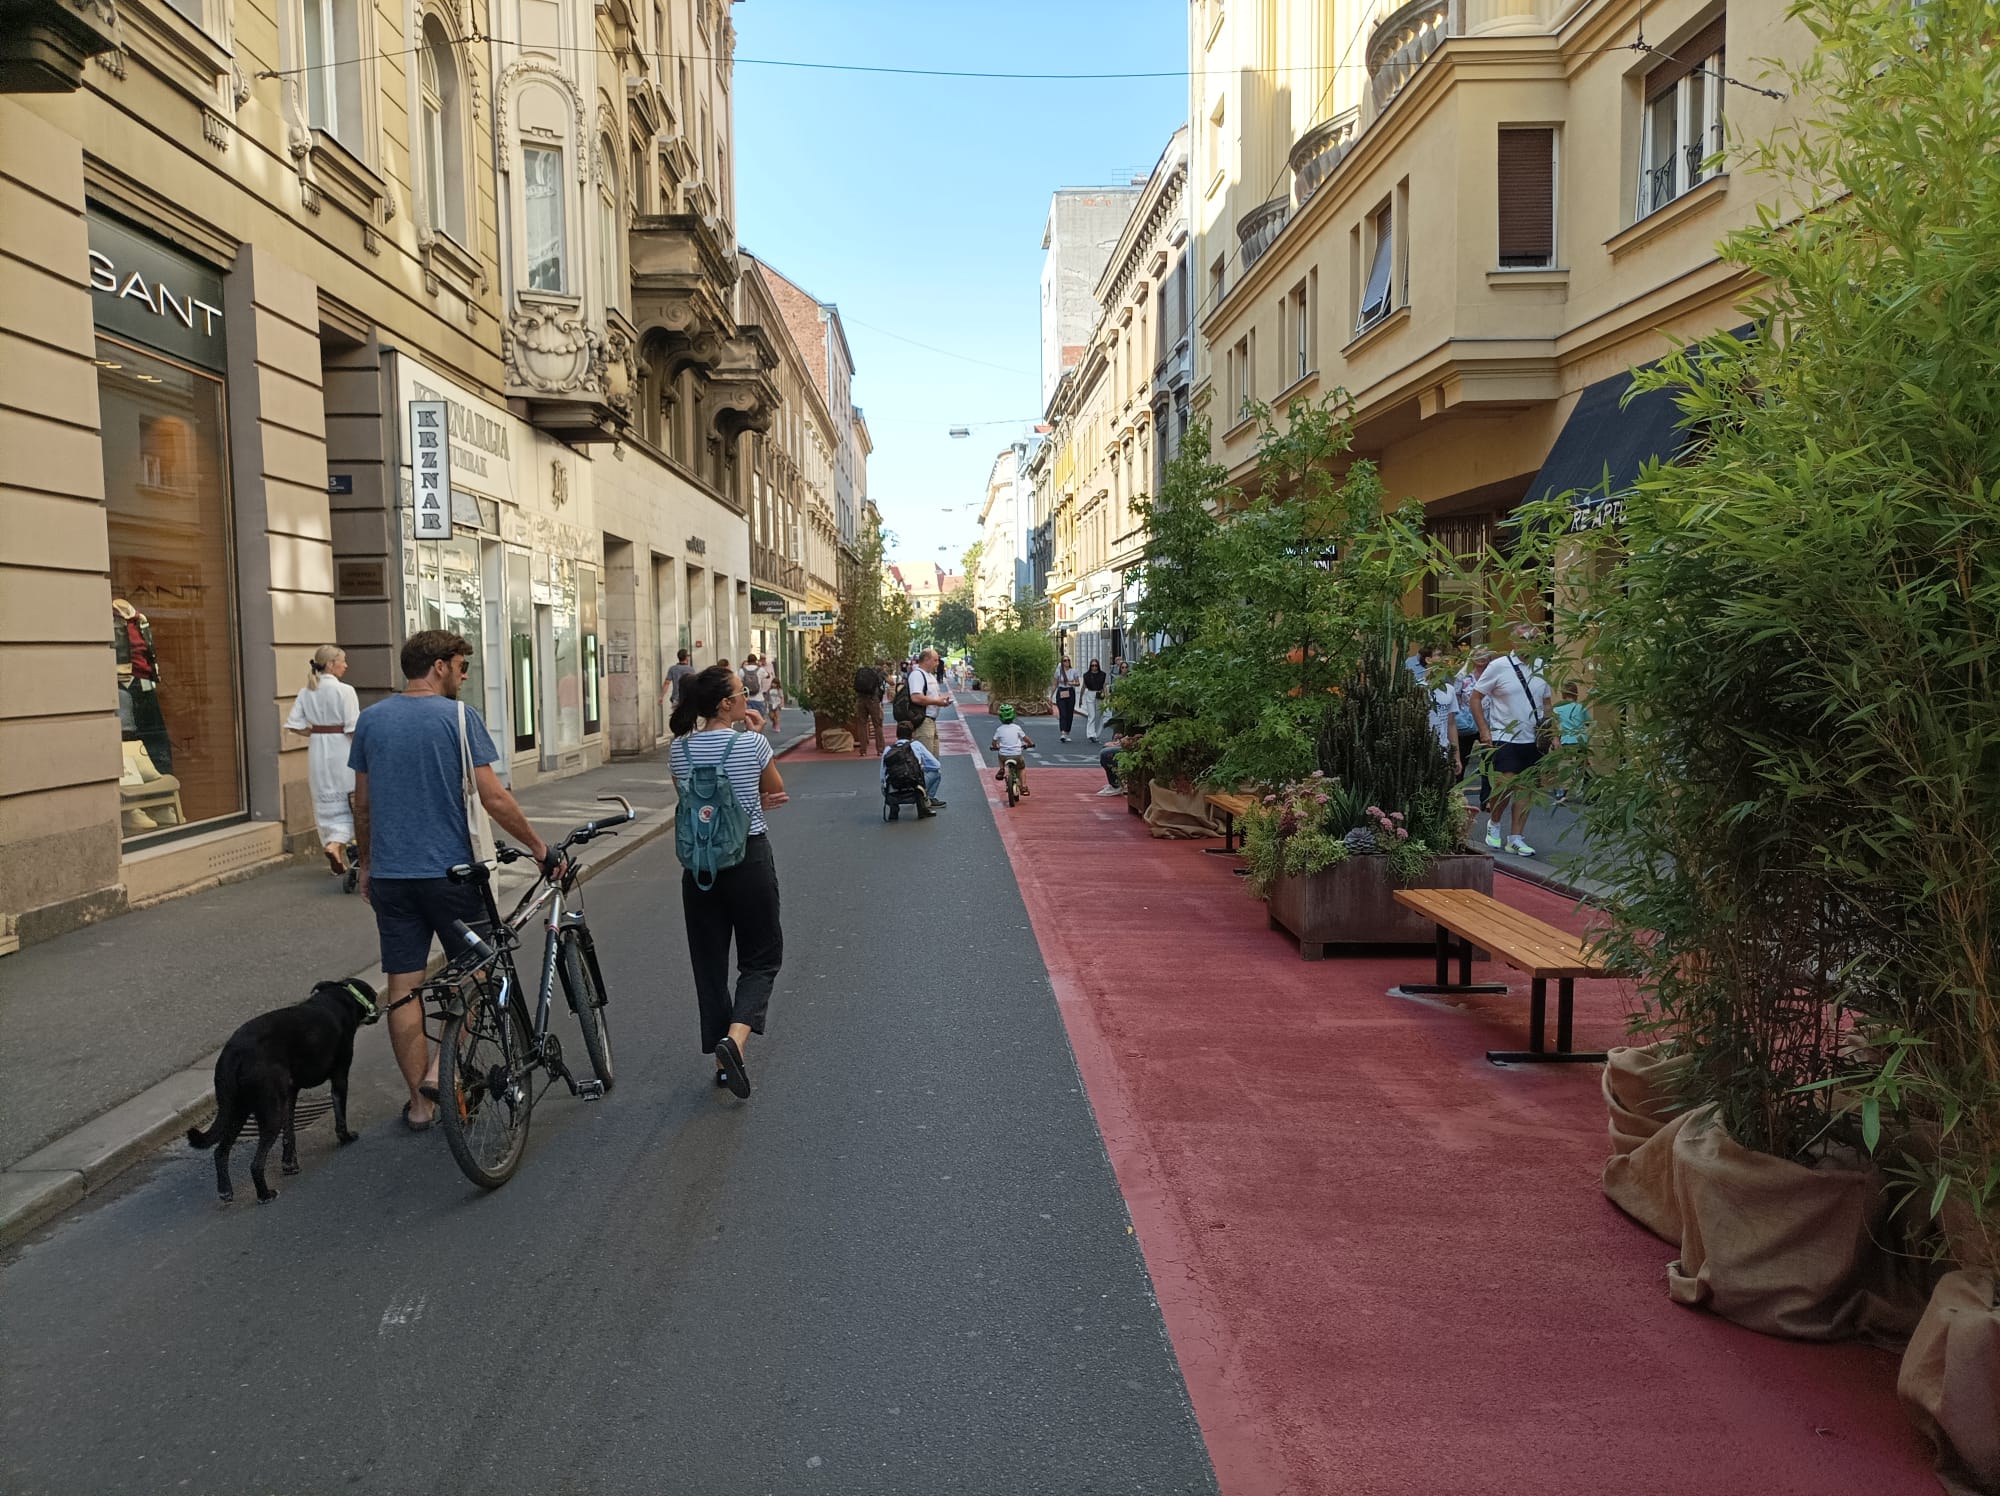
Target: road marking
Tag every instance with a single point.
(402, 1311)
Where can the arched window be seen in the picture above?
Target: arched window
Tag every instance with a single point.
(610, 264)
(441, 139)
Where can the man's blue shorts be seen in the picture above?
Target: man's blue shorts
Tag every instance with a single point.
(409, 911)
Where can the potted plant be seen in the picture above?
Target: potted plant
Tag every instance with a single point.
(1381, 812)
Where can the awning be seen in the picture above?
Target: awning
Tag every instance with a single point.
(1602, 447)
(1605, 442)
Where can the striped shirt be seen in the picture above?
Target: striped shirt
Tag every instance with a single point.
(746, 754)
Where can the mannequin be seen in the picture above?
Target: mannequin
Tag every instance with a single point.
(139, 684)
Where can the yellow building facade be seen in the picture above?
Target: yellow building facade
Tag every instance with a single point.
(1475, 217)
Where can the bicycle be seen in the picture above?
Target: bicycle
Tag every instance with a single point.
(491, 1048)
(1013, 768)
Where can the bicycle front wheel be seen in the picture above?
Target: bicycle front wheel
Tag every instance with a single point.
(486, 1091)
(584, 985)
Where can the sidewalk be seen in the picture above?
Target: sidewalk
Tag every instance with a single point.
(108, 1034)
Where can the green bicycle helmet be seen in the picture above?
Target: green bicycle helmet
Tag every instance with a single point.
(1006, 713)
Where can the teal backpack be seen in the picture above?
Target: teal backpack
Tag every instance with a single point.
(711, 827)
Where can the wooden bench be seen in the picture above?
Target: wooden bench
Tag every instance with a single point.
(1540, 950)
(1231, 806)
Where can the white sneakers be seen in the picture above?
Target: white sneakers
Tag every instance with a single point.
(1519, 847)
(1493, 837)
(1112, 789)
(1510, 844)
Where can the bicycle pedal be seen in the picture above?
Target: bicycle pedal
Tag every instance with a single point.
(590, 1090)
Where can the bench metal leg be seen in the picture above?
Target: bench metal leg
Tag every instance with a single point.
(1565, 1021)
(1444, 986)
(1228, 847)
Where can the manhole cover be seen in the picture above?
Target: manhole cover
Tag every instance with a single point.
(312, 1106)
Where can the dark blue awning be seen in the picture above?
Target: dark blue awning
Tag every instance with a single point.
(1604, 444)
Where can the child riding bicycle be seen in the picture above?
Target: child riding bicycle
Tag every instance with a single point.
(1009, 741)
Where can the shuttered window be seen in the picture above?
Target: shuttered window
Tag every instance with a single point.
(1527, 188)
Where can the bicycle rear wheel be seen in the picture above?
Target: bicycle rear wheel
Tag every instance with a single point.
(584, 985)
(486, 1091)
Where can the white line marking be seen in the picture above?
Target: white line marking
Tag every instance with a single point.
(401, 1312)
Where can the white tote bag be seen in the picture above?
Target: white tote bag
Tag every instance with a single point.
(476, 825)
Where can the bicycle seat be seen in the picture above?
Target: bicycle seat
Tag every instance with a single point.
(469, 872)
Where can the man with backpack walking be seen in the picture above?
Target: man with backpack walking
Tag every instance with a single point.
(868, 688)
(908, 765)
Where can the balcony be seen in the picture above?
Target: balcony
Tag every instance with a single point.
(1319, 151)
(1260, 226)
(769, 568)
(1399, 44)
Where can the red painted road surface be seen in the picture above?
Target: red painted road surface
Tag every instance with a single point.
(1385, 1264)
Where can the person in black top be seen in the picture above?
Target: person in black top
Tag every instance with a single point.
(868, 687)
(1093, 700)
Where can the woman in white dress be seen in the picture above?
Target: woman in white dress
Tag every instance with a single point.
(325, 714)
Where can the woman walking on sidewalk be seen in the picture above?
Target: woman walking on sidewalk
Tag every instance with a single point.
(714, 726)
(325, 714)
(1094, 681)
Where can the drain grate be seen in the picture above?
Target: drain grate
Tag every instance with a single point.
(312, 1106)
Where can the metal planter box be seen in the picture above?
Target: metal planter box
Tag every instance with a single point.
(1352, 903)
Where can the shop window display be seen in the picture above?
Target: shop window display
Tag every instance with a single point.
(449, 595)
(592, 662)
(172, 623)
(569, 685)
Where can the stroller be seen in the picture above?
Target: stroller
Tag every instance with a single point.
(895, 797)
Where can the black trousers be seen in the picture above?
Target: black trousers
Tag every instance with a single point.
(742, 906)
(1065, 708)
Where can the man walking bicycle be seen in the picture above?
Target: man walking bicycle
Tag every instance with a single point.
(411, 829)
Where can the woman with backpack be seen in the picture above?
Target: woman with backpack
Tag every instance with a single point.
(729, 881)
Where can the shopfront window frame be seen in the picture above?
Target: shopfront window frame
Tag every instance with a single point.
(233, 622)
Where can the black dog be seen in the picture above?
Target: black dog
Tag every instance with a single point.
(268, 1061)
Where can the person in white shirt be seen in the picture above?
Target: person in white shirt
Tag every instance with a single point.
(326, 712)
(1067, 684)
(1010, 742)
(927, 691)
(1509, 701)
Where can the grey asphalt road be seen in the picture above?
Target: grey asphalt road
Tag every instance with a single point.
(902, 1266)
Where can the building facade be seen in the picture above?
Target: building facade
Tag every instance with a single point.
(1477, 235)
(331, 322)
(1083, 224)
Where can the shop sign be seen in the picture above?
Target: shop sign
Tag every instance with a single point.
(697, 546)
(812, 620)
(1595, 514)
(430, 462)
(144, 291)
(767, 602)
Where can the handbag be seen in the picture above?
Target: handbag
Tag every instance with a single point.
(478, 829)
(1544, 728)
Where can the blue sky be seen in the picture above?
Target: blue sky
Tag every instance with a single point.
(917, 204)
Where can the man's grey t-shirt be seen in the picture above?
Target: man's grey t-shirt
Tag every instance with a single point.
(676, 673)
(408, 748)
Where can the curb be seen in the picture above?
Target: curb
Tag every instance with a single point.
(84, 1160)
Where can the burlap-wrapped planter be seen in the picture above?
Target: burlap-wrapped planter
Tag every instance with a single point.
(1138, 794)
(1172, 813)
(1638, 1103)
(1767, 1243)
(836, 740)
(1950, 1382)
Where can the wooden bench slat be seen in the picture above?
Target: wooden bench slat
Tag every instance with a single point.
(1236, 805)
(1520, 939)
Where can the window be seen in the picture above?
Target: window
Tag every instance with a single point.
(441, 137)
(1680, 128)
(1217, 143)
(541, 175)
(608, 261)
(335, 88)
(1378, 297)
(1240, 390)
(1299, 326)
(1216, 282)
(1527, 195)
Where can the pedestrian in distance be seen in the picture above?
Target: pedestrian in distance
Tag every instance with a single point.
(1095, 682)
(1464, 724)
(1573, 740)
(754, 677)
(421, 761)
(1011, 743)
(927, 694)
(714, 728)
(869, 684)
(774, 700)
(670, 688)
(325, 714)
(928, 775)
(1510, 703)
(1066, 686)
